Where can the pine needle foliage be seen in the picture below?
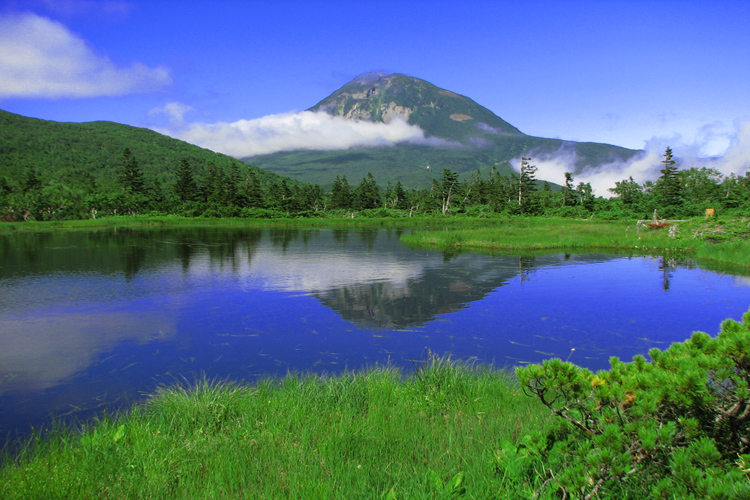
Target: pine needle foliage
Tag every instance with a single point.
(675, 427)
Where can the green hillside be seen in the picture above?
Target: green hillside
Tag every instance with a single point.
(473, 137)
(86, 156)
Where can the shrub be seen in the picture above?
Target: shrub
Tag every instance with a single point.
(675, 427)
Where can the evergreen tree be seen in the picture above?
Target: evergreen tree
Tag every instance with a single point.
(156, 194)
(130, 175)
(497, 190)
(214, 188)
(288, 202)
(341, 195)
(527, 180)
(33, 183)
(526, 186)
(400, 197)
(449, 186)
(668, 185)
(585, 195)
(568, 190)
(252, 191)
(367, 194)
(5, 187)
(310, 197)
(232, 186)
(185, 188)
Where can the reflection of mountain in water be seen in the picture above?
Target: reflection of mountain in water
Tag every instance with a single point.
(440, 288)
(365, 274)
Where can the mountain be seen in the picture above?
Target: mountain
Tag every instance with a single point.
(79, 155)
(463, 137)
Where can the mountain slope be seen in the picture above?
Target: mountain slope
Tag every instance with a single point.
(439, 112)
(80, 154)
(466, 137)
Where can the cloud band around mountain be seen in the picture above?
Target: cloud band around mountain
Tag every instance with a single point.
(645, 165)
(41, 58)
(306, 130)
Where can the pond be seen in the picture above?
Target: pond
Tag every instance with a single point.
(93, 320)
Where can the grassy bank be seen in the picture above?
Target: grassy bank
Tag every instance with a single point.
(175, 220)
(718, 240)
(437, 433)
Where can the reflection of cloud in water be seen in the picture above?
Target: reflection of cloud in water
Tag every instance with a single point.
(742, 280)
(314, 272)
(38, 353)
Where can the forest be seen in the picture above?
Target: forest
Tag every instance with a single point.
(198, 189)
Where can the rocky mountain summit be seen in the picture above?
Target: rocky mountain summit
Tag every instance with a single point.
(460, 135)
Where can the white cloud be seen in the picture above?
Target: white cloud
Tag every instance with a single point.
(552, 168)
(293, 131)
(112, 9)
(645, 165)
(737, 157)
(175, 111)
(40, 58)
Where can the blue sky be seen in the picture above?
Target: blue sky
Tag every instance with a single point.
(639, 74)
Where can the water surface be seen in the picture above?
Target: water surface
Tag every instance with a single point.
(95, 319)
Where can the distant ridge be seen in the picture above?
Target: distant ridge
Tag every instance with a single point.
(469, 137)
(78, 154)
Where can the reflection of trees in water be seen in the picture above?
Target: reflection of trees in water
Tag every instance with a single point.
(224, 247)
(124, 250)
(368, 236)
(185, 252)
(133, 258)
(19, 250)
(666, 266)
(283, 237)
(341, 236)
(526, 266)
(449, 255)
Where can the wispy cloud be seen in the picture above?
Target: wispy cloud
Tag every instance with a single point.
(175, 111)
(288, 132)
(645, 165)
(111, 8)
(41, 58)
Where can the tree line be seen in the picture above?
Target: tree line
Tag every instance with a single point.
(232, 192)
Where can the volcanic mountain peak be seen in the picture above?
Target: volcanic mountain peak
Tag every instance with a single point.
(439, 112)
(470, 137)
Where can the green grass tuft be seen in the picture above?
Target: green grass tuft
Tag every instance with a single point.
(435, 433)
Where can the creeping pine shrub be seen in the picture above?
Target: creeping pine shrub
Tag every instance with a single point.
(675, 427)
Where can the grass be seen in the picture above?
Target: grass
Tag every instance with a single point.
(439, 432)
(447, 430)
(146, 221)
(718, 240)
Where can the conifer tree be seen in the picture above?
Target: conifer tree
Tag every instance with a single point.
(400, 197)
(367, 194)
(668, 185)
(33, 183)
(449, 186)
(526, 186)
(251, 190)
(185, 188)
(341, 195)
(215, 186)
(130, 175)
(568, 190)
